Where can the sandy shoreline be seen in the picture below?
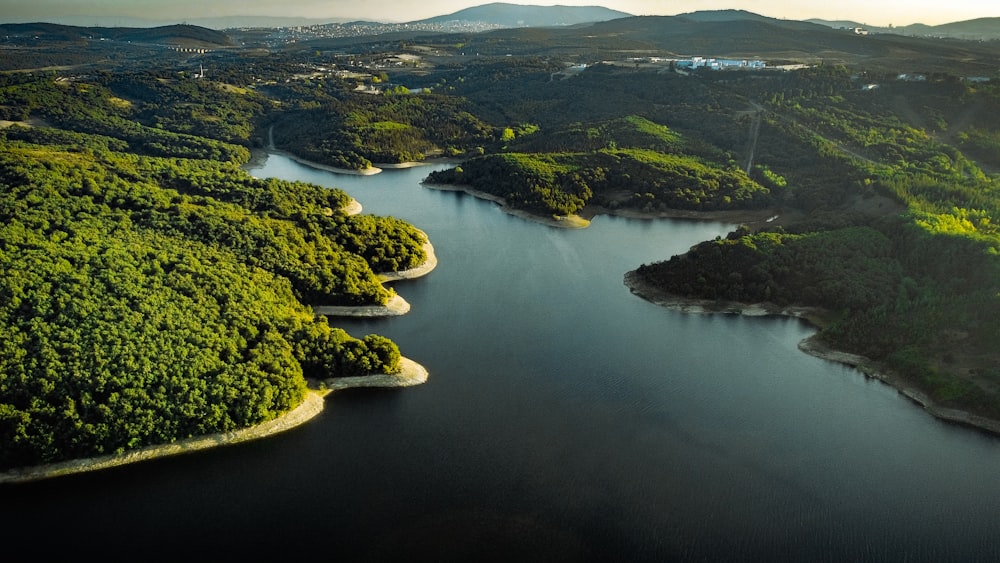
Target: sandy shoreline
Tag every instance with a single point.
(411, 373)
(576, 221)
(393, 308)
(258, 156)
(414, 163)
(371, 170)
(396, 305)
(582, 220)
(812, 346)
(353, 207)
(655, 295)
(422, 270)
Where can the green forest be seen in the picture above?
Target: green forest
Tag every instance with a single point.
(363, 129)
(643, 179)
(153, 290)
(897, 197)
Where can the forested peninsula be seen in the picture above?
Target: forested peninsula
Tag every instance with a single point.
(154, 292)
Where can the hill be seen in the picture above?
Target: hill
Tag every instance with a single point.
(980, 29)
(837, 24)
(742, 35)
(514, 15)
(723, 16)
(181, 34)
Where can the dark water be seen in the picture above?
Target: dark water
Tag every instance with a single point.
(564, 420)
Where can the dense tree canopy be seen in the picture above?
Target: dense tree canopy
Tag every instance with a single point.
(563, 183)
(151, 296)
(355, 130)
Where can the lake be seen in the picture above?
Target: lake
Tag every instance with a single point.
(564, 419)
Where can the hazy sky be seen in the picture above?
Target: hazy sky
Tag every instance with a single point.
(870, 12)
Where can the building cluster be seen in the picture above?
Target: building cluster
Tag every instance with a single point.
(721, 64)
(294, 34)
(706, 62)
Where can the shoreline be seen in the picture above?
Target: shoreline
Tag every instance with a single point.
(734, 216)
(415, 163)
(423, 269)
(370, 171)
(257, 159)
(352, 208)
(259, 155)
(396, 305)
(813, 346)
(561, 221)
(411, 373)
(582, 220)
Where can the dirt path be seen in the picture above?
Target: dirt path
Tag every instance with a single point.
(758, 115)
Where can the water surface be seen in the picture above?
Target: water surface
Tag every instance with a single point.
(564, 420)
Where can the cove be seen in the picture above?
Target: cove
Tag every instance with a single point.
(564, 419)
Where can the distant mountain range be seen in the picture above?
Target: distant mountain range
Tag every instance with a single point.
(505, 15)
(742, 35)
(501, 14)
(977, 29)
(591, 32)
(497, 14)
(219, 23)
